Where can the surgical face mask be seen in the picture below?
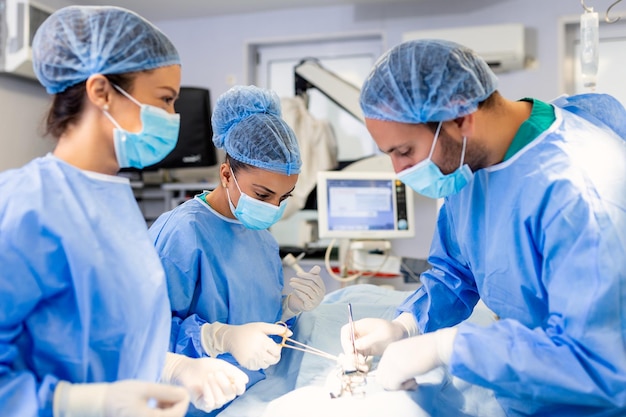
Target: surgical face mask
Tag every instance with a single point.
(427, 179)
(158, 136)
(255, 214)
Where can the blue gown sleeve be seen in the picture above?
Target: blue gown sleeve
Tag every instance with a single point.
(22, 392)
(179, 257)
(576, 357)
(448, 292)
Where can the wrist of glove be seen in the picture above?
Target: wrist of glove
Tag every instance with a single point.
(308, 292)
(402, 361)
(211, 383)
(249, 343)
(128, 398)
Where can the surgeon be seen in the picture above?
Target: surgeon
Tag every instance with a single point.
(84, 313)
(224, 272)
(533, 223)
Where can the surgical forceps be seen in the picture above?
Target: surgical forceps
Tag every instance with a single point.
(295, 345)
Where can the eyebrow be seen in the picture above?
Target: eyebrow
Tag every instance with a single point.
(270, 191)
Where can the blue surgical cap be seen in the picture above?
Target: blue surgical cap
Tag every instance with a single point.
(247, 124)
(426, 80)
(76, 42)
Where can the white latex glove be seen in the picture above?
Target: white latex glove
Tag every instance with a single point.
(372, 335)
(404, 360)
(211, 382)
(128, 398)
(249, 344)
(308, 292)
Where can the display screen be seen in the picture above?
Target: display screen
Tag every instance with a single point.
(360, 205)
(374, 205)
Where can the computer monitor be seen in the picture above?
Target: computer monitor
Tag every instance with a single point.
(363, 205)
(195, 139)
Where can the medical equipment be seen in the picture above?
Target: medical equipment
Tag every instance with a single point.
(606, 15)
(363, 205)
(292, 261)
(349, 378)
(589, 44)
(295, 345)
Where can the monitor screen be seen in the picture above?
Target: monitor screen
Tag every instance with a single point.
(195, 139)
(363, 205)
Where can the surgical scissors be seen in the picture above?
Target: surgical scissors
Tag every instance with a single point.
(301, 346)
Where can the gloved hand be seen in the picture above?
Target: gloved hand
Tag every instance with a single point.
(249, 344)
(404, 360)
(128, 398)
(372, 335)
(308, 292)
(210, 382)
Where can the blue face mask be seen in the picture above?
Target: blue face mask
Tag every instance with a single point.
(427, 179)
(158, 136)
(255, 214)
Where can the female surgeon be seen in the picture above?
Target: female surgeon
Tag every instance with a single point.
(223, 269)
(83, 293)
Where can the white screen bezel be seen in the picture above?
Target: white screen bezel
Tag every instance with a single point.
(322, 204)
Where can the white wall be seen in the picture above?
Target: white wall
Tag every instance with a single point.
(24, 104)
(213, 49)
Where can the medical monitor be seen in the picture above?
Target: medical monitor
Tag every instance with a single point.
(363, 205)
(195, 139)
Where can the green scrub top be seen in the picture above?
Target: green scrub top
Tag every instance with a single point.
(541, 117)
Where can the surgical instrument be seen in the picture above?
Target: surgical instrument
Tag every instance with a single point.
(303, 347)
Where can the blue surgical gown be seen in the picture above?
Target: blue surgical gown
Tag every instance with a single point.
(82, 291)
(541, 239)
(217, 271)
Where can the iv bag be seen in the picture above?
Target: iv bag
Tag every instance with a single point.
(589, 44)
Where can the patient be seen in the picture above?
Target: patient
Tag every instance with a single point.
(301, 381)
(224, 273)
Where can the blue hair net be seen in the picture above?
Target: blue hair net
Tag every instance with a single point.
(247, 124)
(426, 80)
(76, 42)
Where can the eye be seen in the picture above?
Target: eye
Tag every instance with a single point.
(169, 100)
(286, 196)
(262, 197)
(405, 152)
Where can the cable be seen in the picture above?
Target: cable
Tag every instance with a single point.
(330, 270)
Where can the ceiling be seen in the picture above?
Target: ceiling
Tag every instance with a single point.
(184, 9)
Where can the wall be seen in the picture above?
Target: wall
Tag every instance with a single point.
(24, 103)
(213, 49)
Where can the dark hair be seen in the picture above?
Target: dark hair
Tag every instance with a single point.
(236, 165)
(68, 105)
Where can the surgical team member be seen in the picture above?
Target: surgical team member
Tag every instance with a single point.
(84, 299)
(223, 269)
(533, 223)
